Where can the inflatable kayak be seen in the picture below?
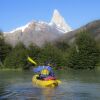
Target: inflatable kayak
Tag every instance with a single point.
(45, 83)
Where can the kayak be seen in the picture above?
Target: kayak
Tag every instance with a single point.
(45, 83)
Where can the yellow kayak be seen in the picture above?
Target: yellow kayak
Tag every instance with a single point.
(45, 83)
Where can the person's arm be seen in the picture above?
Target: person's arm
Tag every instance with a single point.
(52, 73)
(35, 70)
(38, 69)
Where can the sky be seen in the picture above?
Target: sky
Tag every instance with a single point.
(16, 13)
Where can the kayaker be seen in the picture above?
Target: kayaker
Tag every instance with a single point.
(44, 71)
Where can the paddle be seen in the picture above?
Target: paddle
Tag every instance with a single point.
(31, 60)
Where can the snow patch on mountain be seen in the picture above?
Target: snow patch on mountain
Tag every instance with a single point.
(21, 28)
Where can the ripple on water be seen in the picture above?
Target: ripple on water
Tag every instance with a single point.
(21, 91)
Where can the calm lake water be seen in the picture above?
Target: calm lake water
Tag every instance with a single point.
(76, 85)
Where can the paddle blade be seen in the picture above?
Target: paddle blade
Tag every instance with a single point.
(31, 60)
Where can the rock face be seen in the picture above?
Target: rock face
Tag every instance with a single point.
(93, 28)
(38, 32)
(60, 22)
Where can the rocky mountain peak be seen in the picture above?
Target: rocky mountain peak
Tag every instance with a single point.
(59, 21)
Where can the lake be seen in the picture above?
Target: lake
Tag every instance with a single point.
(76, 85)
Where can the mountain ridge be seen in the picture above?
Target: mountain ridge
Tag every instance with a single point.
(38, 32)
(93, 28)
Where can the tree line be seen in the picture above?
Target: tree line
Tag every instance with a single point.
(82, 54)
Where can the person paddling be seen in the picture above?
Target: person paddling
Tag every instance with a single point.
(45, 72)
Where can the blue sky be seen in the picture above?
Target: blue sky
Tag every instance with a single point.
(16, 13)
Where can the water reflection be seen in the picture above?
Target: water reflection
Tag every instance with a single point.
(48, 93)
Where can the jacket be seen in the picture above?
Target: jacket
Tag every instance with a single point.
(40, 68)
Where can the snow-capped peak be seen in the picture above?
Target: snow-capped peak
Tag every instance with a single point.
(59, 21)
(38, 32)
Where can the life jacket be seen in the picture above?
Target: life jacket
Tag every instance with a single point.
(45, 71)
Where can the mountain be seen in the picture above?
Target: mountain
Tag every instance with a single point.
(60, 22)
(93, 28)
(39, 32)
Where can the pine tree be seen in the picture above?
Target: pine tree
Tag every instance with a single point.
(51, 54)
(4, 49)
(17, 58)
(85, 53)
